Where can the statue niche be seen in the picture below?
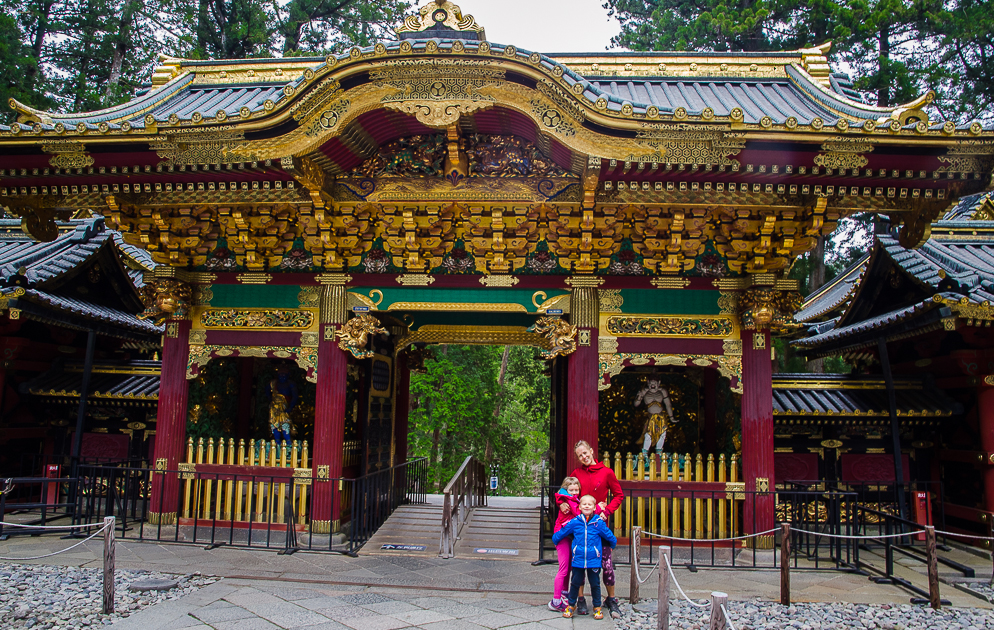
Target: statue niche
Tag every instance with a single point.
(674, 427)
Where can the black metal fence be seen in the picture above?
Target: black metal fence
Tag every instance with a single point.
(36, 500)
(247, 510)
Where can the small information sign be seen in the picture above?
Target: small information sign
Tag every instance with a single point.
(403, 547)
(360, 309)
(497, 552)
(493, 482)
(554, 311)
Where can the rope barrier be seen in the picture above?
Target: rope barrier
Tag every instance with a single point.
(728, 619)
(82, 526)
(49, 555)
(638, 575)
(680, 588)
(850, 537)
(964, 535)
(710, 540)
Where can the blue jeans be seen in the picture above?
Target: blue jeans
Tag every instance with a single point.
(576, 581)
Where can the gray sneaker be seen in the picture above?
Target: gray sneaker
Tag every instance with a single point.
(581, 606)
(612, 605)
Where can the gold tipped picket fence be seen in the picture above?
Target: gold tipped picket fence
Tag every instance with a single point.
(245, 483)
(684, 496)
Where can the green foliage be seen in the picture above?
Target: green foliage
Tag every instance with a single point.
(896, 49)
(460, 408)
(17, 64)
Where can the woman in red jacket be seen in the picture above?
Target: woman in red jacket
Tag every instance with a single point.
(599, 481)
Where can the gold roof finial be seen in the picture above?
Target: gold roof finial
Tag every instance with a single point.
(438, 16)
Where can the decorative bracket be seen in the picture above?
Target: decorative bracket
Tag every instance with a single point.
(560, 333)
(354, 335)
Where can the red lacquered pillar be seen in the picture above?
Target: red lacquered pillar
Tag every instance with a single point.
(170, 422)
(985, 413)
(329, 414)
(403, 402)
(581, 372)
(757, 430)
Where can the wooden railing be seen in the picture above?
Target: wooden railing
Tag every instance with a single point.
(684, 496)
(466, 490)
(245, 483)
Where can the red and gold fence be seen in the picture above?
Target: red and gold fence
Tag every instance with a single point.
(245, 483)
(678, 495)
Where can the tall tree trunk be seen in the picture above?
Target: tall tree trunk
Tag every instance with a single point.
(41, 32)
(817, 278)
(883, 91)
(488, 451)
(121, 49)
(436, 440)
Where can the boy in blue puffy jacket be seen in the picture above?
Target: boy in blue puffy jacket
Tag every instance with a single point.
(588, 532)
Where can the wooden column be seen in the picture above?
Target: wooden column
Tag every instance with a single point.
(403, 402)
(985, 415)
(582, 365)
(329, 413)
(757, 429)
(170, 423)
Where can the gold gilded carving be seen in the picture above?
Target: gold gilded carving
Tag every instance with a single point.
(333, 278)
(561, 302)
(590, 180)
(584, 281)
(309, 297)
(441, 13)
(197, 147)
(486, 335)
(439, 114)
(458, 306)
(311, 176)
(552, 119)
(202, 295)
(989, 380)
(685, 143)
(309, 340)
(257, 318)
(254, 278)
(306, 358)
(770, 309)
(607, 344)
(372, 302)
(840, 152)
(732, 347)
(198, 337)
(38, 216)
(759, 340)
(187, 470)
(728, 303)
(258, 235)
(584, 308)
(670, 283)
(985, 212)
(323, 473)
(172, 330)
(354, 335)
(334, 305)
(560, 333)
(498, 281)
(968, 156)
(611, 300)
(68, 154)
(415, 280)
(728, 366)
(669, 326)
(164, 299)
(583, 337)
(302, 476)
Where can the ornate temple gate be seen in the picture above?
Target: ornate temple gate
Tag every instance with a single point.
(633, 215)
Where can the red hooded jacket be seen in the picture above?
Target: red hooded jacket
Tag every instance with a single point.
(597, 480)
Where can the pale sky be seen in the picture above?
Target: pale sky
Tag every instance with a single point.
(544, 26)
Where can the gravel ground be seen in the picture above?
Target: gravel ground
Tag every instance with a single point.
(70, 598)
(763, 615)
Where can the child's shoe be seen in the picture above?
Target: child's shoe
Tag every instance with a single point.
(581, 606)
(613, 607)
(560, 607)
(568, 613)
(598, 613)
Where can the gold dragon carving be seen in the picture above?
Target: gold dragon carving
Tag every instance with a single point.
(164, 299)
(354, 335)
(560, 333)
(772, 309)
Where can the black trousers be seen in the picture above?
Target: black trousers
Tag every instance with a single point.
(593, 576)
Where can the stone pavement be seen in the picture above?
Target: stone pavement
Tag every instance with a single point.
(263, 590)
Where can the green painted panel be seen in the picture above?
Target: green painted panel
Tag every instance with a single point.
(255, 296)
(463, 296)
(670, 302)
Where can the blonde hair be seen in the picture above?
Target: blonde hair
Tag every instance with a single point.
(589, 496)
(569, 481)
(583, 443)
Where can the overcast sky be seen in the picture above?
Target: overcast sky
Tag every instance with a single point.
(544, 26)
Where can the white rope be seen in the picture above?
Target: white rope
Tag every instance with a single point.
(710, 540)
(86, 526)
(965, 535)
(850, 537)
(728, 619)
(49, 555)
(679, 588)
(647, 575)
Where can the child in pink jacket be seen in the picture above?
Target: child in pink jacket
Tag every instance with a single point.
(569, 494)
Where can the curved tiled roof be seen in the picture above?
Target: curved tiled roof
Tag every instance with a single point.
(136, 380)
(968, 208)
(83, 310)
(77, 242)
(870, 324)
(966, 259)
(832, 294)
(834, 395)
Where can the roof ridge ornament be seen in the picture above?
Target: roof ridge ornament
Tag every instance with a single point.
(814, 61)
(439, 18)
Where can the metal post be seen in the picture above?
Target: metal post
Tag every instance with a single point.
(785, 564)
(933, 569)
(636, 552)
(108, 603)
(717, 615)
(663, 606)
